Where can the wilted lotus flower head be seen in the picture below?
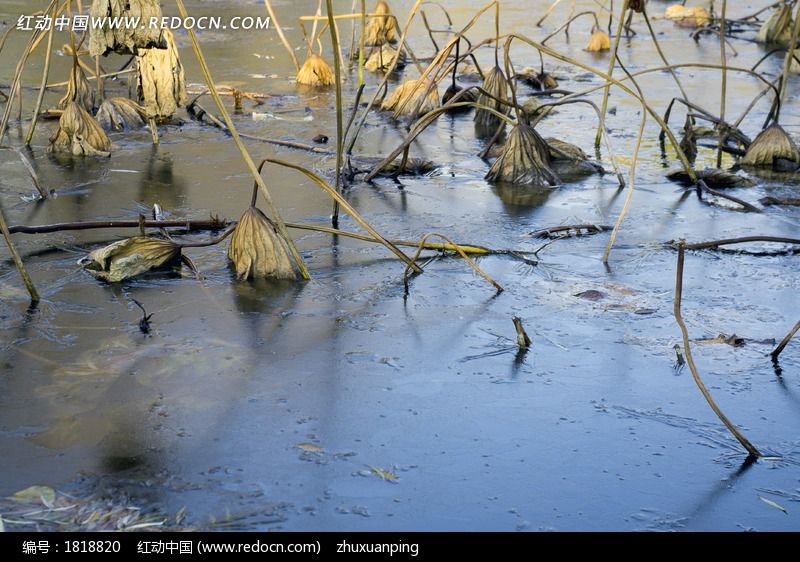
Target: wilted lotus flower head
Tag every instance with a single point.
(120, 114)
(161, 85)
(771, 144)
(124, 39)
(382, 28)
(525, 160)
(315, 72)
(412, 97)
(688, 17)
(778, 27)
(599, 41)
(381, 57)
(78, 133)
(495, 84)
(636, 5)
(131, 257)
(78, 89)
(256, 249)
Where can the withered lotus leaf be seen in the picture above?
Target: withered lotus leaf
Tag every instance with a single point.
(382, 28)
(315, 72)
(771, 144)
(525, 160)
(124, 39)
(257, 251)
(131, 257)
(161, 85)
(120, 114)
(79, 134)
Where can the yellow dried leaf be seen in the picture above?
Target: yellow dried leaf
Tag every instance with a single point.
(315, 72)
(688, 17)
(382, 28)
(161, 86)
(119, 114)
(130, 257)
(256, 249)
(410, 98)
(45, 494)
(599, 41)
(79, 134)
(124, 39)
(387, 475)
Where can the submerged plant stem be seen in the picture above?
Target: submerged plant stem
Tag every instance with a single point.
(17, 259)
(752, 451)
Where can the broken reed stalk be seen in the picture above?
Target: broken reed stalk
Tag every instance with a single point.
(547, 13)
(15, 83)
(569, 21)
(339, 134)
(702, 186)
(458, 249)
(347, 207)
(742, 240)
(281, 36)
(723, 95)
(611, 64)
(298, 259)
(787, 62)
(277, 142)
(523, 339)
(361, 46)
(777, 351)
(43, 87)
(30, 169)
(632, 174)
(17, 259)
(752, 451)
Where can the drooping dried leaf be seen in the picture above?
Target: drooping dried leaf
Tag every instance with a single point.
(79, 89)
(778, 27)
(124, 39)
(381, 29)
(688, 17)
(771, 144)
(536, 79)
(525, 160)
(563, 150)
(131, 257)
(495, 84)
(79, 134)
(257, 251)
(120, 114)
(599, 41)
(714, 178)
(379, 58)
(410, 98)
(689, 141)
(161, 85)
(315, 72)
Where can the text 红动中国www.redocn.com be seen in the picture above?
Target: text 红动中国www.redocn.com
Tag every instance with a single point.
(44, 22)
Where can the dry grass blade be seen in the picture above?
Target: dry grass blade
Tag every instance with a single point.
(752, 451)
(458, 249)
(348, 208)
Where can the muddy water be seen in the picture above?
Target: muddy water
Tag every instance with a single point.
(268, 406)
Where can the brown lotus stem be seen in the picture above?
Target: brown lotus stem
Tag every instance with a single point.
(723, 95)
(43, 87)
(787, 62)
(17, 259)
(785, 341)
(523, 340)
(337, 68)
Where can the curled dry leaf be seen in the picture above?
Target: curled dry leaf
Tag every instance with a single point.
(78, 89)
(778, 27)
(410, 98)
(495, 84)
(131, 257)
(714, 178)
(599, 41)
(537, 79)
(525, 160)
(315, 72)
(688, 17)
(161, 85)
(771, 145)
(79, 134)
(256, 249)
(124, 39)
(119, 114)
(563, 150)
(381, 57)
(382, 28)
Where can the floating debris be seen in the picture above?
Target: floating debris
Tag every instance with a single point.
(79, 134)
(688, 17)
(315, 72)
(131, 257)
(714, 178)
(256, 249)
(121, 114)
(124, 39)
(384, 474)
